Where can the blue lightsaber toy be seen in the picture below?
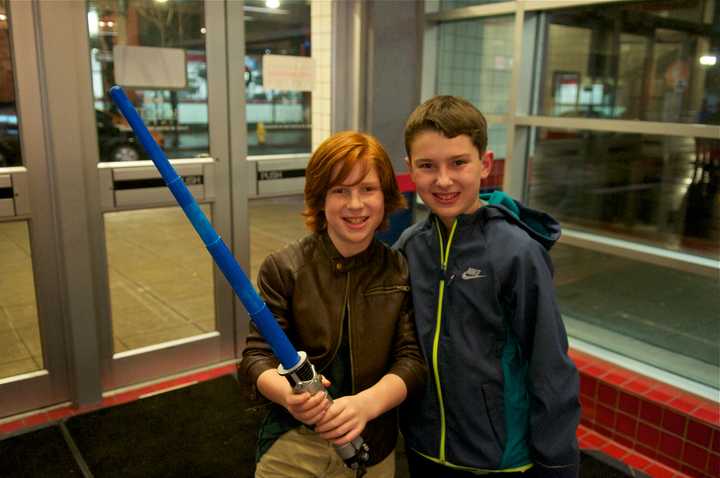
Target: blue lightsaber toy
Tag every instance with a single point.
(294, 365)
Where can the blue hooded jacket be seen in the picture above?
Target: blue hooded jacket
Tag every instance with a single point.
(503, 393)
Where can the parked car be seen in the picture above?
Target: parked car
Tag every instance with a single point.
(116, 142)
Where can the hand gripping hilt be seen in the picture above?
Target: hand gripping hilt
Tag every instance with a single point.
(304, 378)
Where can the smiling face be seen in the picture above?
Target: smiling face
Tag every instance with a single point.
(354, 209)
(447, 173)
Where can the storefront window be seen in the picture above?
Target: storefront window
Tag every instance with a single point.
(177, 117)
(278, 121)
(475, 61)
(654, 61)
(662, 191)
(654, 314)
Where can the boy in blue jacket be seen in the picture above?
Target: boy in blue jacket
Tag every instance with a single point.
(502, 398)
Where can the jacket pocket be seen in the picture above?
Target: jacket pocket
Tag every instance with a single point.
(387, 289)
(495, 406)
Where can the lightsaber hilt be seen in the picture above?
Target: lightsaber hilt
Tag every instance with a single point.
(304, 378)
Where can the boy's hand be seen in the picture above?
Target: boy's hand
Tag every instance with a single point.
(344, 420)
(307, 408)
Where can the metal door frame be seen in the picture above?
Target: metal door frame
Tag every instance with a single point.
(67, 94)
(34, 189)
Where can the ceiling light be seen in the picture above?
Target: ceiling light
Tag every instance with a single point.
(272, 3)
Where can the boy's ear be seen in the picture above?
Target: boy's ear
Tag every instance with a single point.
(486, 162)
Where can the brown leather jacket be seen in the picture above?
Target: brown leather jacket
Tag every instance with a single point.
(309, 287)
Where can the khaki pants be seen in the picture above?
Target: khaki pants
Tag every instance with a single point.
(301, 453)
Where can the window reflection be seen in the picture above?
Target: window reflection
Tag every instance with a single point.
(278, 122)
(178, 119)
(654, 61)
(10, 154)
(661, 190)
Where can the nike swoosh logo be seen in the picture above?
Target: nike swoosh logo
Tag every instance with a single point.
(472, 273)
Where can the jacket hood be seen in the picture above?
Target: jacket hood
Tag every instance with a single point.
(539, 225)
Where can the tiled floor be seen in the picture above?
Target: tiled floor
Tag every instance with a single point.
(161, 283)
(19, 333)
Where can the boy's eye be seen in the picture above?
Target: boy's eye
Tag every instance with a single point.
(460, 162)
(424, 165)
(369, 189)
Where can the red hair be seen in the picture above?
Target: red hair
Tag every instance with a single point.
(348, 149)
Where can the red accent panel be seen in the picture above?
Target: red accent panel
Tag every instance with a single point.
(614, 451)
(588, 386)
(629, 404)
(685, 404)
(639, 385)
(708, 413)
(647, 435)
(698, 433)
(626, 425)
(60, 413)
(607, 395)
(670, 445)
(648, 452)
(10, 427)
(605, 416)
(695, 456)
(716, 441)
(674, 422)
(593, 440)
(35, 420)
(713, 466)
(637, 461)
(659, 395)
(623, 440)
(659, 471)
(618, 377)
(405, 183)
(651, 413)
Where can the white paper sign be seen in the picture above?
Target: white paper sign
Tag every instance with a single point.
(288, 73)
(149, 67)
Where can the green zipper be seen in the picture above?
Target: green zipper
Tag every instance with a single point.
(444, 254)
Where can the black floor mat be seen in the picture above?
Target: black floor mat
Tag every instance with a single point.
(42, 453)
(206, 430)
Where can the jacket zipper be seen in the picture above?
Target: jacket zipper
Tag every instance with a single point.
(444, 254)
(350, 341)
(345, 309)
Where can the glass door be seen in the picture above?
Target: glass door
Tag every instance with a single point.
(32, 362)
(169, 308)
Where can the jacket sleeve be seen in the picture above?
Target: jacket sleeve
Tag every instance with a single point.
(275, 289)
(408, 362)
(552, 379)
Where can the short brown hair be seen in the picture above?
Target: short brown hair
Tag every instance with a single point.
(348, 148)
(449, 115)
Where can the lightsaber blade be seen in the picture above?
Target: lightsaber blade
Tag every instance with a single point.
(294, 365)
